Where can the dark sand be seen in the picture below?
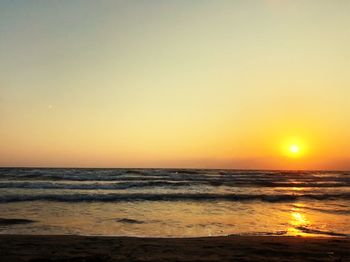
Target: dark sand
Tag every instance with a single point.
(233, 248)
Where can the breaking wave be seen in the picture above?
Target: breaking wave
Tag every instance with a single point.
(170, 197)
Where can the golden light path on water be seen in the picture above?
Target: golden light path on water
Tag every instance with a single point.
(297, 221)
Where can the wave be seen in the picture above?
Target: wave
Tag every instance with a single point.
(170, 197)
(320, 232)
(327, 211)
(92, 186)
(126, 183)
(104, 179)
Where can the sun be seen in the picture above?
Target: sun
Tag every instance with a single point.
(294, 149)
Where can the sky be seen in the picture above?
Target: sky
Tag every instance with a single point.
(197, 84)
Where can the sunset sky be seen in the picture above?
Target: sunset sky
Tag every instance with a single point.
(208, 84)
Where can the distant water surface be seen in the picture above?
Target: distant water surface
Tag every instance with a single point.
(174, 202)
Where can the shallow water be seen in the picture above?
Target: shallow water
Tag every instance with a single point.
(174, 202)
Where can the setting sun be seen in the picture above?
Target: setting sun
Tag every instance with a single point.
(294, 149)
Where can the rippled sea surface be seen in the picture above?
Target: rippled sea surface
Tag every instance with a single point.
(174, 202)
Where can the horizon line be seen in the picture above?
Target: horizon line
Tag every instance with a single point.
(192, 168)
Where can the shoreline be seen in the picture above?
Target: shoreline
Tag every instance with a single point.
(75, 248)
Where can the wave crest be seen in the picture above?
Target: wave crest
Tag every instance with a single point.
(170, 197)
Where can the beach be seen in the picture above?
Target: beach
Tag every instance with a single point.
(173, 215)
(18, 248)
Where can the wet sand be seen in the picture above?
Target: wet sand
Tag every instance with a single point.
(19, 248)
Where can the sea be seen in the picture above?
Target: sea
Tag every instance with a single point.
(174, 202)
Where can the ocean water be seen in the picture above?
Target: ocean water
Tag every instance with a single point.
(174, 202)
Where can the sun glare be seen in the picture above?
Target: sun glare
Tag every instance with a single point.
(294, 149)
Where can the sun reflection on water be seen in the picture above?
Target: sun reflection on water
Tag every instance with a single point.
(298, 220)
(298, 189)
